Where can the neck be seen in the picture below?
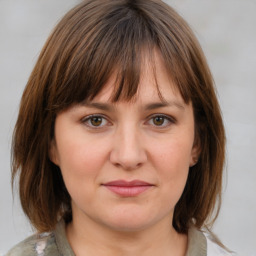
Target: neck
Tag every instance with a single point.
(90, 238)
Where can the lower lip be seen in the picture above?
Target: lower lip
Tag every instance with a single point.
(129, 191)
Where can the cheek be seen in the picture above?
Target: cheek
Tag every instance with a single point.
(173, 154)
(81, 165)
(172, 164)
(81, 162)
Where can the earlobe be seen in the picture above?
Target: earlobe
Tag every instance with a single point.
(195, 154)
(53, 153)
(193, 162)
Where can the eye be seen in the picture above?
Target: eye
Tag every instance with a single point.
(161, 121)
(95, 121)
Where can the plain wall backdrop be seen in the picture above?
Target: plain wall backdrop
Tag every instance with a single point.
(226, 31)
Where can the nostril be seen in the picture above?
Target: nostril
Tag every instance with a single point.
(128, 151)
(127, 162)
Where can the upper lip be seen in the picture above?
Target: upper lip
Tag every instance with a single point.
(124, 183)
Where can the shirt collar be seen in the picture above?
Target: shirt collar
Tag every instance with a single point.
(197, 243)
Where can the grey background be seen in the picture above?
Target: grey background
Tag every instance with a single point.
(226, 30)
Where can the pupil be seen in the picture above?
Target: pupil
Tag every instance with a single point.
(96, 121)
(158, 120)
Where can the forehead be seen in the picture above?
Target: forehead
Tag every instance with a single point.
(155, 84)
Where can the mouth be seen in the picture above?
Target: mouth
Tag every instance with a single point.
(128, 188)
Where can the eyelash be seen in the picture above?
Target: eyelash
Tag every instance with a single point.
(89, 118)
(169, 119)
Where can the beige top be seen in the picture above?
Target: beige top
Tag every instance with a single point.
(56, 243)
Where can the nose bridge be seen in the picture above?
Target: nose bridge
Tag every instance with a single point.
(128, 149)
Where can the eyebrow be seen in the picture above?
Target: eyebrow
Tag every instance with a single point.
(98, 105)
(147, 107)
(155, 105)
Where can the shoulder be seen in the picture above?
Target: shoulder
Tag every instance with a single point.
(35, 245)
(215, 247)
(205, 243)
(44, 244)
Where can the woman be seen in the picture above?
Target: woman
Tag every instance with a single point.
(119, 142)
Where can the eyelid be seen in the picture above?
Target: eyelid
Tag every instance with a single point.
(170, 119)
(85, 120)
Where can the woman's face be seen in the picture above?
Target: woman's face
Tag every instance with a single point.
(125, 164)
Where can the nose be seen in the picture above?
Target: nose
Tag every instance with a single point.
(128, 151)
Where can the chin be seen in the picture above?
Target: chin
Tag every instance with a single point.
(132, 221)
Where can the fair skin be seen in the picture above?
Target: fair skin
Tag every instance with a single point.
(145, 141)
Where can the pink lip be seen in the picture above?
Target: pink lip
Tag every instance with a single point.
(127, 188)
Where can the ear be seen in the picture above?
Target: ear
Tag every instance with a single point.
(53, 152)
(195, 153)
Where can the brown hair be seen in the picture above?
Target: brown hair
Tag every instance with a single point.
(93, 40)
